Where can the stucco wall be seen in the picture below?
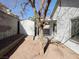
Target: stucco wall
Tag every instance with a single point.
(66, 23)
(27, 27)
(8, 24)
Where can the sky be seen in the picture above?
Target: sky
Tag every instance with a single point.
(15, 6)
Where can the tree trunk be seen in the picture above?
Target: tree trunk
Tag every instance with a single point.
(41, 36)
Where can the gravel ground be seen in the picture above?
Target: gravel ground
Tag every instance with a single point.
(32, 49)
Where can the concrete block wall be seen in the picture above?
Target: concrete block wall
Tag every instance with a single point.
(9, 21)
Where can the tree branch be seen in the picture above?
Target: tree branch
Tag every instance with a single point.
(41, 7)
(55, 7)
(46, 8)
(32, 2)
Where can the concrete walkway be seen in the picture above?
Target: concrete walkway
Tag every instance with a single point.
(32, 49)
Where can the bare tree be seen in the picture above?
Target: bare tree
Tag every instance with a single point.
(38, 15)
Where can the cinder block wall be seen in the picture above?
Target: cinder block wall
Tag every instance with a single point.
(8, 21)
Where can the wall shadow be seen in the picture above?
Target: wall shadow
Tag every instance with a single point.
(10, 39)
(22, 30)
(13, 49)
(27, 27)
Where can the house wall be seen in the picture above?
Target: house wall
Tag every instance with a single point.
(8, 25)
(66, 27)
(27, 27)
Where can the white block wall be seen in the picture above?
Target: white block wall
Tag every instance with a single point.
(27, 27)
(64, 16)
